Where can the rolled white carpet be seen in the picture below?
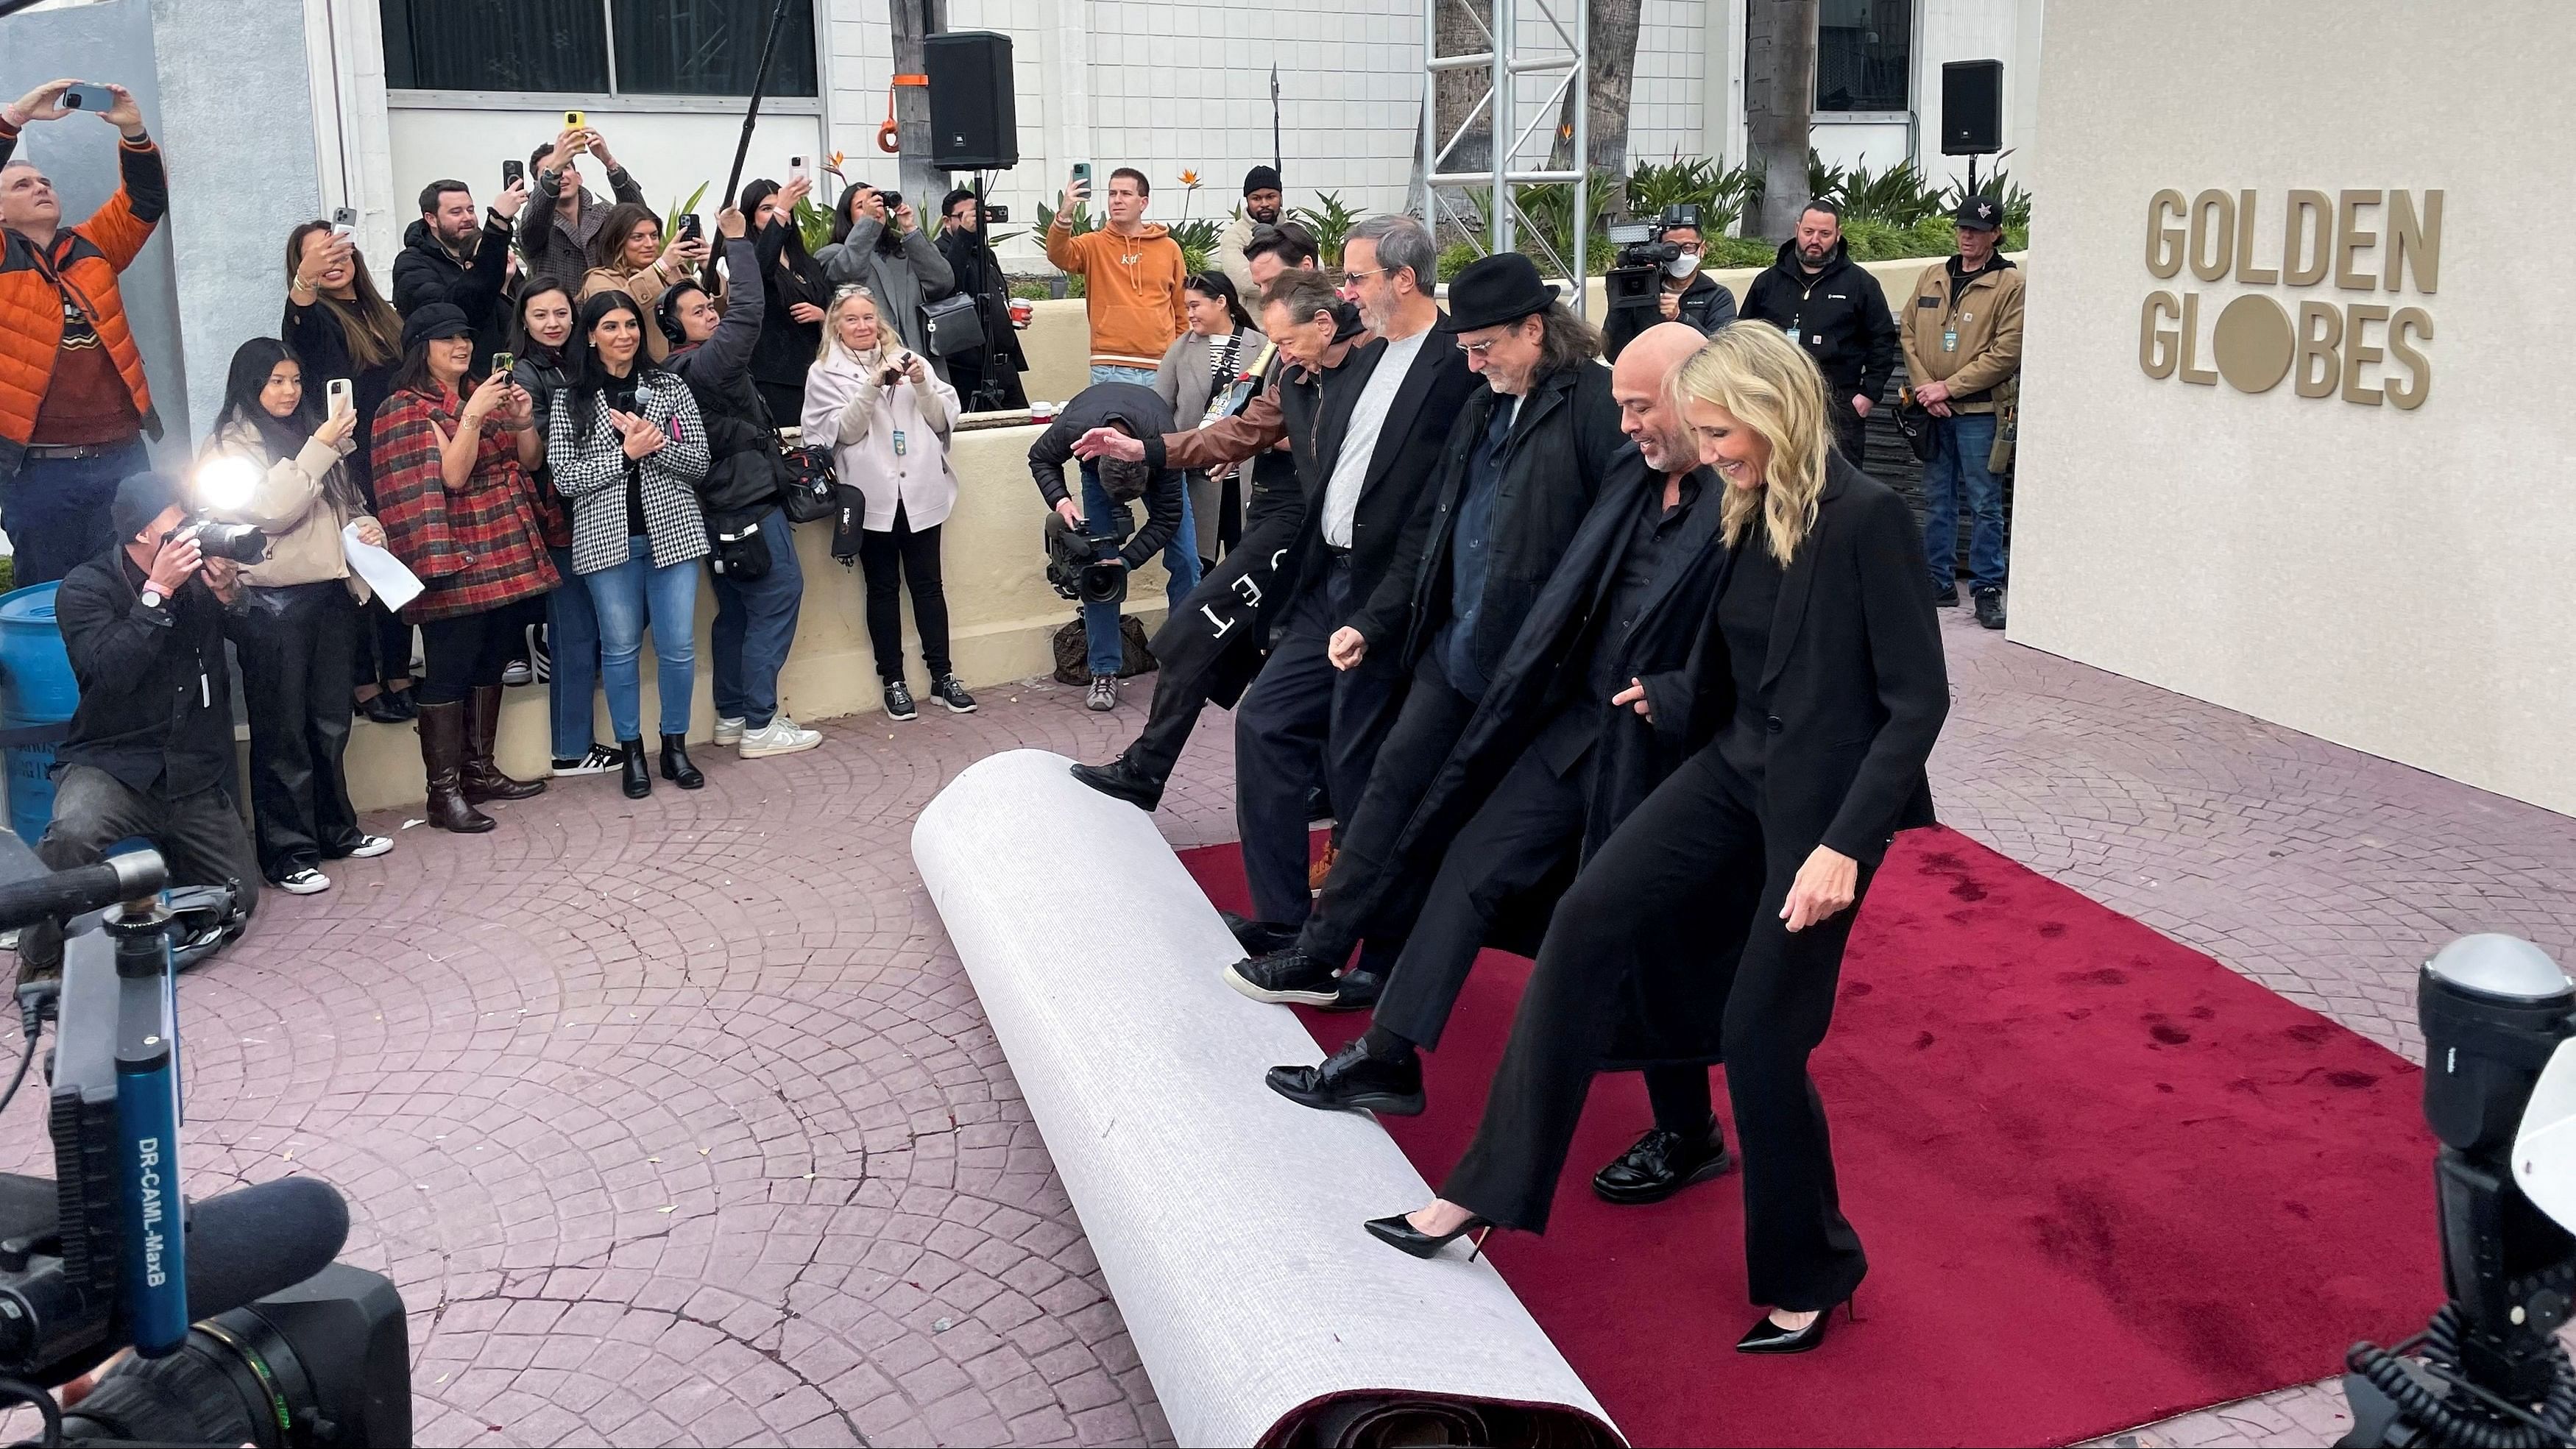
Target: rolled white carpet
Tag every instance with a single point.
(1226, 1218)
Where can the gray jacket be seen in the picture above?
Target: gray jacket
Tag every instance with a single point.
(900, 284)
(558, 246)
(1185, 382)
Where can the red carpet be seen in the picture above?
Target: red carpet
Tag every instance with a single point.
(2102, 1178)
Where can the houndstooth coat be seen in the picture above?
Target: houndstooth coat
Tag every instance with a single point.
(591, 473)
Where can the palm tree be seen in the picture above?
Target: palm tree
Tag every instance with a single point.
(1779, 97)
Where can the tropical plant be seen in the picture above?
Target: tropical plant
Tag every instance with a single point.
(1899, 195)
(1331, 223)
(1999, 184)
(813, 225)
(1081, 222)
(1720, 193)
(1825, 183)
(671, 218)
(1198, 240)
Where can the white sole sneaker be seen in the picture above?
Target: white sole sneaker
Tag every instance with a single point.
(756, 747)
(729, 731)
(371, 847)
(305, 883)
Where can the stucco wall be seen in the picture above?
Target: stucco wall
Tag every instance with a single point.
(2393, 579)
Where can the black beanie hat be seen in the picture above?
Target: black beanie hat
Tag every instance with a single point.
(141, 499)
(1261, 178)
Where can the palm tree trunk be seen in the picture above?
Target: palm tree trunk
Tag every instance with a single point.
(1608, 85)
(1456, 92)
(1779, 99)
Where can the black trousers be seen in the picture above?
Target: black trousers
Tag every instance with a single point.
(1301, 722)
(297, 645)
(1662, 877)
(384, 646)
(467, 652)
(199, 835)
(1426, 729)
(1529, 826)
(890, 560)
(1205, 637)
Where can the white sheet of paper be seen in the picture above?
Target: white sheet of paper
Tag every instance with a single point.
(394, 583)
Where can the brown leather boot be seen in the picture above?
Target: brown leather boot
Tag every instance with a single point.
(483, 779)
(442, 753)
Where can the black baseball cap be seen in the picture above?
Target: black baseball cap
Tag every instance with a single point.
(1980, 213)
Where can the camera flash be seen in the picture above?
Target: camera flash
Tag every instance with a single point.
(227, 483)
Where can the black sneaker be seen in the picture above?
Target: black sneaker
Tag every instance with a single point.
(898, 701)
(1990, 608)
(1945, 596)
(1351, 1080)
(1122, 781)
(1260, 938)
(1355, 990)
(1661, 1164)
(1283, 977)
(948, 690)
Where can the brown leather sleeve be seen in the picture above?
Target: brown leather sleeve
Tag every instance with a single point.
(1229, 440)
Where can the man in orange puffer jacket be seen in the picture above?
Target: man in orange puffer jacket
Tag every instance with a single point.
(73, 402)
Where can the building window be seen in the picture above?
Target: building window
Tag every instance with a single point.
(1864, 55)
(661, 47)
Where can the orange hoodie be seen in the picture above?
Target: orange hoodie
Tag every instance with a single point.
(1131, 288)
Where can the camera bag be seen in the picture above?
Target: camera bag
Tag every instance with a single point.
(952, 325)
(811, 478)
(741, 546)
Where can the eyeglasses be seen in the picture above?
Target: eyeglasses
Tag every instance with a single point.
(1692, 249)
(847, 290)
(1477, 350)
(1372, 272)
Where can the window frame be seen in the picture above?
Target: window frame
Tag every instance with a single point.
(1904, 114)
(616, 102)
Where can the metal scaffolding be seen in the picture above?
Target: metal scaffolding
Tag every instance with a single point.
(1507, 58)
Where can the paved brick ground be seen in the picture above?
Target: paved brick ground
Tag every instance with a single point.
(677, 1121)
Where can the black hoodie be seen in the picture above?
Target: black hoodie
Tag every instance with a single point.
(1839, 315)
(425, 271)
(1145, 415)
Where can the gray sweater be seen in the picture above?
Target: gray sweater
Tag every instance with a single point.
(900, 284)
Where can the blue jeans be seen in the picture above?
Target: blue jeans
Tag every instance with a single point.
(625, 596)
(1101, 519)
(1960, 445)
(755, 623)
(1141, 376)
(572, 642)
(55, 510)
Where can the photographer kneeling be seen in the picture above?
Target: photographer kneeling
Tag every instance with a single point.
(1107, 486)
(150, 751)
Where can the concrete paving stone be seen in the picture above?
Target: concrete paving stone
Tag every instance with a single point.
(483, 1041)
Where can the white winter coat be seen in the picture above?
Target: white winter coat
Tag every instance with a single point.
(846, 411)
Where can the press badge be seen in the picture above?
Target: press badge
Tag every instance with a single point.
(1949, 343)
(1796, 336)
(898, 442)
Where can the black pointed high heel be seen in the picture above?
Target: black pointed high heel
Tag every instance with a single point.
(1399, 1232)
(1766, 1336)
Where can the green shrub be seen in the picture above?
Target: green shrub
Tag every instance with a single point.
(1331, 223)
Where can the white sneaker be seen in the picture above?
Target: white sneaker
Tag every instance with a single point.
(305, 882)
(779, 737)
(730, 731)
(371, 847)
(517, 672)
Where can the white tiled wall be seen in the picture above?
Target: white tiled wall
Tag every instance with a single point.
(1664, 116)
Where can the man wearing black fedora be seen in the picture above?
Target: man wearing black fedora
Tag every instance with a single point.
(1521, 467)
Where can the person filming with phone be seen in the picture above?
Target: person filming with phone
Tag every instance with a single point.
(74, 405)
(555, 231)
(878, 243)
(150, 749)
(455, 255)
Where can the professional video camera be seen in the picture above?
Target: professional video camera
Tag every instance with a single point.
(2500, 1091)
(244, 1330)
(1638, 271)
(1082, 567)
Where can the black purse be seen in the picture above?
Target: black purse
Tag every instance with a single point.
(951, 325)
(810, 480)
(741, 547)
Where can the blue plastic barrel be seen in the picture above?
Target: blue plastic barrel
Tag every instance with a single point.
(36, 688)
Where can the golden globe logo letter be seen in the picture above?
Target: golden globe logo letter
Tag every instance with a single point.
(2369, 241)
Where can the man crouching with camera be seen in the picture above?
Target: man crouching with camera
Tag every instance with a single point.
(150, 752)
(1098, 578)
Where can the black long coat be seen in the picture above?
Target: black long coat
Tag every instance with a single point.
(1858, 715)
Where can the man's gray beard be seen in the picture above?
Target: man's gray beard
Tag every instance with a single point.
(1373, 320)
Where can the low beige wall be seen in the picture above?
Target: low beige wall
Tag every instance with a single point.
(1001, 617)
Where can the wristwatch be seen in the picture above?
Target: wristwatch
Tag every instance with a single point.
(151, 597)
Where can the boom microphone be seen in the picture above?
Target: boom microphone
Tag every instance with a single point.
(63, 894)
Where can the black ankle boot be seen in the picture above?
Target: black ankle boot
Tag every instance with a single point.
(637, 770)
(675, 763)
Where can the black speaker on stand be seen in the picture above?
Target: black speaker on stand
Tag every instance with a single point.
(974, 115)
(1972, 111)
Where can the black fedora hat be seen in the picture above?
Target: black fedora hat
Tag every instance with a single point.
(1491, 291)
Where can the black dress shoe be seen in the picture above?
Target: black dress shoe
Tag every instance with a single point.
(1285, 977)
(1945, 598)
(1259, 938)
(1399, 1232)
(1990, 608)
(1351, 1080)
(1661, 1164)
(675, 764)
(1122, 781)
(1766, 1336)
(636, 770)
(383, 709)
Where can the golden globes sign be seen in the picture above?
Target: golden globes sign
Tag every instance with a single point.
(2368, 241)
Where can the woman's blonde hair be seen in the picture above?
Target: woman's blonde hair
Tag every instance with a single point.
(1771, 386)
(832, 319)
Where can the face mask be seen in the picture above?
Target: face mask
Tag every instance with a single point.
(1681, 266)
